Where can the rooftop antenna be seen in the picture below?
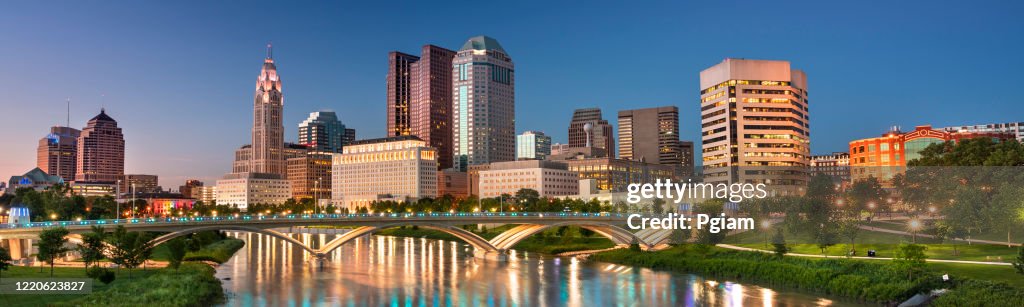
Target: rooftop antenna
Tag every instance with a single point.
(68, 123)
(270, 50)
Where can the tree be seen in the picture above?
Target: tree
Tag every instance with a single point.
(5, 261)
(779, 243)
(51, 245)
(527, 197)
(176, 250)
(657, 206)
(825, 237)
(910, 258)
(93, 246)
(129, 249)
(1019, 263)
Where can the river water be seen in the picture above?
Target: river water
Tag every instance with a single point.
(393, 271)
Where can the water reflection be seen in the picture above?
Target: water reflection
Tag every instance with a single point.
(380, 270)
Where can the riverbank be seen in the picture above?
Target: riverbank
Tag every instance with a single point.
(858, 280)
(193, 284)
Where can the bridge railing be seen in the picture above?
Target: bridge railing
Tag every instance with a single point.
(155, 221)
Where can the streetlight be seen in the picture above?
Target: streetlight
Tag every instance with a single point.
(914, 225)
(117, 214)
(765, 225)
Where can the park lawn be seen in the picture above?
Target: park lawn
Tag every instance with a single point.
(1003, 273)
(1016, 236)
(884, 244)
(59, 272)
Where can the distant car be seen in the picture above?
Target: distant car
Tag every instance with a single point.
(604, 213)
(566, 209)
(871, 253)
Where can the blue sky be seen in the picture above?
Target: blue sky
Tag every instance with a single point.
(179, 75)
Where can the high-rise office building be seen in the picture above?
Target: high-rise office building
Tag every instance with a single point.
(650, 135)
(533, 145)
(600, 134)
(310, 175)
(267, 127)
(322, 132)
(57, 153)
(754, 115)
(420, 98)
(100, 150)
(399, 87)
(483, 103)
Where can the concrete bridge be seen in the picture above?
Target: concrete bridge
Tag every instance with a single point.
(609, 225)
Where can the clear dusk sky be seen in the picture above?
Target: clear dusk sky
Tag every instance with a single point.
(179, 76)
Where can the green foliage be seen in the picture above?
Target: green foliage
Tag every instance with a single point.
(1018, 264)
(93, 245)
(192, 285)
(129, 249)
(5, 260)
(969, 292)
(860, 280)
(52, 245)
(218, 252)
(104, 275)
(779, 243)
(910, 258)
(176, 252)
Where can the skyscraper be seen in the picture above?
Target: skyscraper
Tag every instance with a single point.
(420, 98)
(431, 109)
(322, 132)
(483, 103)
(267, 126)
(57, 153)
(754, 115)
(100, 150)
(349, 137)
(399, 86)
(650, 135)
(601, 133)
(533, 145)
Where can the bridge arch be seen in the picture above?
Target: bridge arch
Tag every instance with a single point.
(510, 238)
(479, 243)
(167, 237)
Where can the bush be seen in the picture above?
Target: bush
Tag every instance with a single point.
(969, 292)
(107, 276)
(192, 285)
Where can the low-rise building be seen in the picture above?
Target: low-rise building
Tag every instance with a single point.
(36, 179)
(835, 165)
(94, 188)
(399, 168)
(244, 189)
(205, 194)
(550, 179)
(453, 182)
(138, 183)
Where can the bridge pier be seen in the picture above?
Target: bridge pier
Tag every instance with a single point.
(318, 261)
(497, 255)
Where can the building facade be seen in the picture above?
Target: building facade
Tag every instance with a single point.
(94, 188)
(190, 185)
(400, 168)
(36, 179)
(138, 183)
(57, 153)
(452, 182)
(600, 135)
(100, 150)
(323, 132)
(431, 108)
(650, 135)
(835, 165)
(616, 175)
(205, 194)
(241, 190)
(483, 103)
(533, 145)
(548, 178)
(1015, 129)
(399, 87)
(887, 155)
(349, 137)
(267, 154)
(755, 124)
(310, 176)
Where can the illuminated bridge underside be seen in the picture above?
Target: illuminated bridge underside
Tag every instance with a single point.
(496, 248)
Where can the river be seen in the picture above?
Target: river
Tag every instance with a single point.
(380, 270)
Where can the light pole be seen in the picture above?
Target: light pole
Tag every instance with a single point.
(316, 196)
(117, 213)
(764, 226)
(133, 200)
(915, 224)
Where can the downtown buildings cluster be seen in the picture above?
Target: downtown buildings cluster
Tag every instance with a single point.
(451, 130)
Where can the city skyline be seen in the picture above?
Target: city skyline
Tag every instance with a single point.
(859, 87)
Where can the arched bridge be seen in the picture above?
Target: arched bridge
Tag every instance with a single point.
(611, 226)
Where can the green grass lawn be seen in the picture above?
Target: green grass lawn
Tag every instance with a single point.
(58, 272)
(219, 251)
(884, 244)
(980, 271)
